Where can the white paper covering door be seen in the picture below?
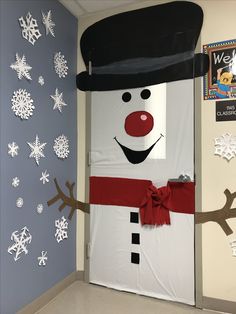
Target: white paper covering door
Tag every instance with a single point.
(165, 267)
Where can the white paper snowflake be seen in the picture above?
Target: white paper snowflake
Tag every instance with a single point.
(30, 29)
(13, 149)
(44, 177)
(21, 239)
(21, 67)
(58, 100)
(41, 80)
(15, 182)
(61, 229)
(233, 247)
(36, 149)
(60, 65)
(22, 104)
(48, 23)
(43, 258)
(61, 146)
(225, 146)
(19, 202)
(39, 208)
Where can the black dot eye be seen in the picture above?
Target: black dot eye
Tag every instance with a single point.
(145, 94)
(126, 97)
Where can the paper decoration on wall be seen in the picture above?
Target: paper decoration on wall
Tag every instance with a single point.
(48, 23)
(15, 182)
(41, 80)
(58, 100)
(221, 215)
(22, 104)
(19, 202)
(61, 146)
(21, 240)
(13, 149)
(233, 247)
(68, 200)
(60, 65)
(61, 229)
(36, 149)
(225, 146)
(44, 177)
(39, 208)
(42, 260)
(30, 29)
(21, 67)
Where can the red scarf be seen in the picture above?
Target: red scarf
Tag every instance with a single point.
(154, 203)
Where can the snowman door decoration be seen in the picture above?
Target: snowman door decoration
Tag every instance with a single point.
(140, 70)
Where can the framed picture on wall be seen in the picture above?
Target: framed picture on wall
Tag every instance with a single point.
(220, 81)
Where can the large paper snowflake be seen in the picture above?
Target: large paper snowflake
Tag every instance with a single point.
(225, 146)
(36, 149)
(48, 23)
(58, 100)
(60, 65)
(61, 229)
(13, 149)
(29, 28)
(21, 67)
(43, 258)
(21, 239)
(61, 146)
(22, 104)
(44, 177)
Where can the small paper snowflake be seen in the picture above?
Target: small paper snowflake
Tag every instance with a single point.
(60, 65)
(15, 182)
(61, 146)
(21, 67)
(21, 239)
(61, 229)
(44, 177)
(19, 202)
(36, 149)
(41, 80)
(233, 247)
(225, 146)
(58, 100)
(48, 23)
(39, 208)
(29, 28)
(13, 149)
(43, 258)
(22, 104)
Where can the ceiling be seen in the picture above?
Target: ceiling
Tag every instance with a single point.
(84, 7)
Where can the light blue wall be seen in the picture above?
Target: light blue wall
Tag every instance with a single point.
(22, 281)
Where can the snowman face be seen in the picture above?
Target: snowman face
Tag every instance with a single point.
(129, 125)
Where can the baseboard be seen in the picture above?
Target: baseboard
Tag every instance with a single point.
(219, 305)
(50, 294)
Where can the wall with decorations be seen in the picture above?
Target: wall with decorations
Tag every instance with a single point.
(38, 141)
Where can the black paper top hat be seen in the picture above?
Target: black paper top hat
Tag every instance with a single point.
(143, 47)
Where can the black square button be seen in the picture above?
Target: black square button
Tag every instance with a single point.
(135, 258)
(134, 218)
(135, 238)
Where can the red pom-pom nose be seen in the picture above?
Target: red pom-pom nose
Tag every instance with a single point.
(139, 123)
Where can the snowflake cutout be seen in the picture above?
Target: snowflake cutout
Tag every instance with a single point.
(58, 100)
(61, 229)
(233, 247)
(36, 149)
(19, 202)
(61, 146)
(13, 149)
(225, 146)
(29, 28)
(43, 258)
(41, 80)
(15, 182)
(44, 177)
(39, 208)
(21, 240)
(22, 104)
(21, 67)
(48, 23)
(60, 65)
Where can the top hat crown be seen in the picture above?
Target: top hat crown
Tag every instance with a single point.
(143, 47)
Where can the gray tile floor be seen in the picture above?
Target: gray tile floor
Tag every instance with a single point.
(83, 298)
